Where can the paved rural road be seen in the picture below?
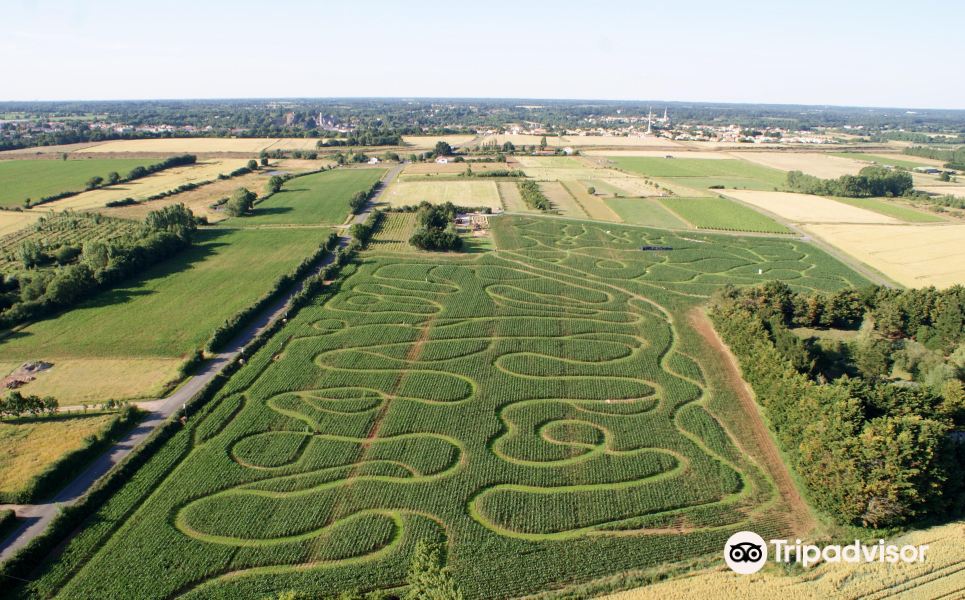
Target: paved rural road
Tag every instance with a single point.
(36, 517)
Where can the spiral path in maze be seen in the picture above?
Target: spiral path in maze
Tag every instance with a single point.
(535, 405)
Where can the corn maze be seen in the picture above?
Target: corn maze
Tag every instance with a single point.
(543, 409)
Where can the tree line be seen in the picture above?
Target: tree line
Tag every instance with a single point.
(869, 182)
(532, 195)
(954, 157)
(870, 450)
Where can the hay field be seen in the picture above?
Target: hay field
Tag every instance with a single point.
(139, 189)
(912, 255)
(522, 140)
(428, 142)
(11, 220)
(562, 200)
(805, 208)
(633, 186)
(32, 445)
(897, 160)
(592, 205)
(605, 141)
(433, 168)
(954, 190)
(812, 163)
(75, 381)
(295, 144)
(45, 150)
(511, 198)
(183, 145)
(460, 193)
(939, 576)
(682, 153)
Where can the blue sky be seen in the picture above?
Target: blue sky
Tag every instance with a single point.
(849, 52)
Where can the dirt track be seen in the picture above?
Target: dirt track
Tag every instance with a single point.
(800, 515)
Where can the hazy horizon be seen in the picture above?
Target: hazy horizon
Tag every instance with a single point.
(747, 52)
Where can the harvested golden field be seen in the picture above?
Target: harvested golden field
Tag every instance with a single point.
(57, 149)
(912, 255)
(604, 141)
(12, 220)
(75, 381)
(592, 205)
(812, 163)
(188, 145)
(512, 200)
(30, 445)
(169, 179)
(552, 141)
(294, 144)
(433, 168)
(633, 186)
(199, 200)
(805, 208)
(460, 193)
(428, 142)
(939, 576)
(954, 190)
(562, 200)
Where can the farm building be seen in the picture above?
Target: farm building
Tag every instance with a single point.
(442, 160)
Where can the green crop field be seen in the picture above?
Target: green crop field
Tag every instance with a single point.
(34, 179)
(645, 211)
(720, 213)
(317, 199)
(544, 409)
(909, 163)
(173, 307)
(893, 208)
(703, 173)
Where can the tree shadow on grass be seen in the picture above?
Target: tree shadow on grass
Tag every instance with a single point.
(272, 210)
(206, 242)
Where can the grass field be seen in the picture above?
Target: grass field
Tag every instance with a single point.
(720, 213)
(646, 211)
(912, 255)
(544, 409)
(30, 445)
(183, 299)
(562, 200)
(906, 161)
(510, 197)
(74, 381)
(805, 208)
(316, 199)
(894, 208)
(460, 193)
(34, 179)
(703, 173)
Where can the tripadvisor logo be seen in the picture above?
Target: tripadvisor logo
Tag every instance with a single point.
(746, 552)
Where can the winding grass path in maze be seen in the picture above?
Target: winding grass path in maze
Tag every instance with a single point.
(544, 409)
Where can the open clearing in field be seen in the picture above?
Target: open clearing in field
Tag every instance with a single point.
(720, 213)
(75, 381)
(34, 179)
(545, 410)
(805, 208)
(939, 576)
(822, 165)
(646, 211)
(169, 311)
(912, 255)
(460, 193)
(31, 445)
(139, 189)
(315, 199)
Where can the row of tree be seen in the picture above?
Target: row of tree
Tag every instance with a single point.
(869, 182)
(532, 195)
(16, 404)
(870, 451)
